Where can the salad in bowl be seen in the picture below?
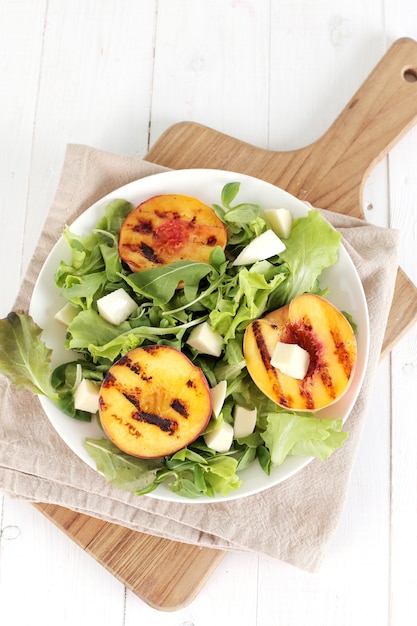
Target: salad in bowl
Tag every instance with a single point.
(196, 335)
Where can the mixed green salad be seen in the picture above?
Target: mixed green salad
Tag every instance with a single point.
(228, 296)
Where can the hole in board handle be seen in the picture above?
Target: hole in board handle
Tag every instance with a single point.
(410, 75)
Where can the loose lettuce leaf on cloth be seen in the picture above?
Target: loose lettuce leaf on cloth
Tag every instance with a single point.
(24, 357)
(292, 521)
(122, 470)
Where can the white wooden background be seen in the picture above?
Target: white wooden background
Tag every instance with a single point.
(115, 74)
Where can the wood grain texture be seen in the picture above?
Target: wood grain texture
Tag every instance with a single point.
(331, 172)
(165, 574)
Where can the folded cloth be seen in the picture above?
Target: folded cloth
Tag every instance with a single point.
(292, 521)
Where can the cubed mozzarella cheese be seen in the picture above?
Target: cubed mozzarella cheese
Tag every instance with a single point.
(66, 314)
(218, 395)
(262, 247)
(86, 396)
(280, 221)
(205, 340)
(291, 359)
(221, 439)
(244, 421)
(116, 307)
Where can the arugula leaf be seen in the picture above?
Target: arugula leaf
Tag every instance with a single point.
(160, 283)
(24, 357)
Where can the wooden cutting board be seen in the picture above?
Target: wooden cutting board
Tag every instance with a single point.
(329, 173)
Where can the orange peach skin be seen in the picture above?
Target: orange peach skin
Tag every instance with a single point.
(319, 327)
(154, 401)
(169, 228)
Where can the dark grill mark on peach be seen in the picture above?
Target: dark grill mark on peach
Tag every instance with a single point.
(144, 227)
(190, 383)
(153, 349)
(109, 380)
(211, 241)
(134, 367)
(132, 430)
(306, 394)
(342, 353)
(266, 359)
(327, 381)
(179, 407)
(163, 423)
(149, 253)
(260, 344)
(102, 404)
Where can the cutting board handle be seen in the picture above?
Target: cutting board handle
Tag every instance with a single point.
(379, 114)
(329, 173)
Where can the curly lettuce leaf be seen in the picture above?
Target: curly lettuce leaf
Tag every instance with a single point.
(190, 473)
(125, 472)
(24, 357)
(312, 246)
(26, 361)
(289, 433)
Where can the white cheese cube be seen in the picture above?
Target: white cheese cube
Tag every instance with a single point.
(244, 421)
(86, 396)
(280, 221)
(66, 314)
(218, 395)
(116, 307)
(262, 247)
(221, 439)
(291, 359)
(205, 340)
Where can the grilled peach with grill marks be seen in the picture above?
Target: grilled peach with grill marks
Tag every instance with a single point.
(319, 328)
(154, 401)
(169, 228)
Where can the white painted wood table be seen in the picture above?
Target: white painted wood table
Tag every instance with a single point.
(114, 74)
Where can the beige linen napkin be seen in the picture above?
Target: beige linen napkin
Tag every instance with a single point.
(292, 521)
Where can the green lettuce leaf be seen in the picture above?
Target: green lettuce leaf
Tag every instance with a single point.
(161, 283)
(125, 472)
(115, 213)
(24, 357)
(312, 246)
(90, 332)
(289, 433)
(189, 473)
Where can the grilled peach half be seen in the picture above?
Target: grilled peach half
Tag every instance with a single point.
(154, 401)
(317, 326)
(169, 228)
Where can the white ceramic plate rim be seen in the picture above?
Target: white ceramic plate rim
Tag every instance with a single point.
(345, 291)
